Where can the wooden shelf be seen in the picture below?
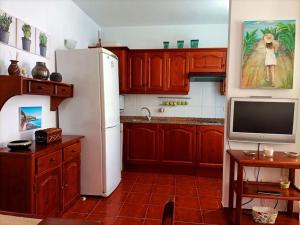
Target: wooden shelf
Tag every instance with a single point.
(250, 189)
(11, 86)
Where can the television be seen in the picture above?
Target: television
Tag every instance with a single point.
(263, 120)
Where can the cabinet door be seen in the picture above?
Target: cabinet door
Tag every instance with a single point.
(177, 73)
(208, 61)
(178, 144)
(210, 141)
(122, 53)
(48, 193)
(137, 72)
(156, 72)
(140, 143)
(71, 182)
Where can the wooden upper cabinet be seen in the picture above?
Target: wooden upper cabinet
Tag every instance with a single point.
(177, 73)
(156, 72)
(140, 143)
(137, 72)
(210, 60)
(178, 144)
(210, 145)
(122, 53)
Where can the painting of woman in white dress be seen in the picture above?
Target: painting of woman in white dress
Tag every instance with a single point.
(268, 54)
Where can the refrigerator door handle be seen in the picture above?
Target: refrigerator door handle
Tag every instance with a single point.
(111, 127)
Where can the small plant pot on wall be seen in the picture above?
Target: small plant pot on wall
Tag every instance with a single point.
(4, 36)
(43, 51)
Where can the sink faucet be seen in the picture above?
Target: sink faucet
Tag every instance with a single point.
(149, 112)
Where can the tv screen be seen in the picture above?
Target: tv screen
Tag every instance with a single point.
(263, 120)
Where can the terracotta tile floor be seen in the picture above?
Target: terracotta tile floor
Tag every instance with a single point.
(140, 198)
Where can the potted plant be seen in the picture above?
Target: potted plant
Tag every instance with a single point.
(5, 22)
(43, 44)
(26, 42)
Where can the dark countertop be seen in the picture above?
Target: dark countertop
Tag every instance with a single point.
(37, 149)
(173, 120)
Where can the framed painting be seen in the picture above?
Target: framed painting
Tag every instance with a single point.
(25, 36)
(30, 118)
(42, 43)
(268, 54)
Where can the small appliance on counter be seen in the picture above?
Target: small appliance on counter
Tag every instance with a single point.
(19, 145)
(48, 135)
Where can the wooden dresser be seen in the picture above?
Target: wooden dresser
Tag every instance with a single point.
(43, 181)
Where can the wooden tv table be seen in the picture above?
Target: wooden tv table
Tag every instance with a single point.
(58, 221)
(249, 188)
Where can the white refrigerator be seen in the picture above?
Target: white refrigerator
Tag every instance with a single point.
(93, 112)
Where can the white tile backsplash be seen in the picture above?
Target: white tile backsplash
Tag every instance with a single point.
(205, 102)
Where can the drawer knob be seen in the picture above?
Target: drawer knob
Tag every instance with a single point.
(52, 159)
(73, 151)
(40, 87)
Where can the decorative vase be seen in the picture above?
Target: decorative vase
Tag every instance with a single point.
(26, 44)
(43, 50)
(13, 68)
(4, 36)
(56, 77)
(40, 71)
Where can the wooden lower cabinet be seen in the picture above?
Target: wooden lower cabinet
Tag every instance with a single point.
(140, 143)
(173, 145)
(48, 189)
(210, 145)
(43, 181)
(177, 144)
(71, 184)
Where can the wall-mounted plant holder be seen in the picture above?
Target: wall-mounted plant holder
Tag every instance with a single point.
(174, 101)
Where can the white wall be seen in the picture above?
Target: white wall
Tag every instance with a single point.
(206, 101)
(209, 35)
(259, 10)
(60, 19)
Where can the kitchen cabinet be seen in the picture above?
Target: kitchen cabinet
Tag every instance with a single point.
(156, 72)
(165, 71)
(48, 194)
(42, 181)
(177, 73)
(189, 146)
(210, 145)
(208, 61)
(177, 144)
(122, 53)
(137, 72)
(140, 143)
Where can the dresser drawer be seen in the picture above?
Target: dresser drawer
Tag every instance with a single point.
(63, 90)
(48, 162)
(40, 88)
(71, 151)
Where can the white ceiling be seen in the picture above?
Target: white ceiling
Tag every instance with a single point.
(155, 12)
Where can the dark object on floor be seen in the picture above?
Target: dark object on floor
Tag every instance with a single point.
(168, 215)
(48, 135)
(57, 221)
(56, 77)
(19, 145)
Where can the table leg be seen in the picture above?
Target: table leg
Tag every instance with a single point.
(292, 180)
(231, 180)
(239, 191)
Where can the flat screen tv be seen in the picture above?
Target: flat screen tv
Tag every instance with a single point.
(263, 120)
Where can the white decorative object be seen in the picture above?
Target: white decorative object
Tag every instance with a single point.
(70, 44)
(265, 215)
(268, 151)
